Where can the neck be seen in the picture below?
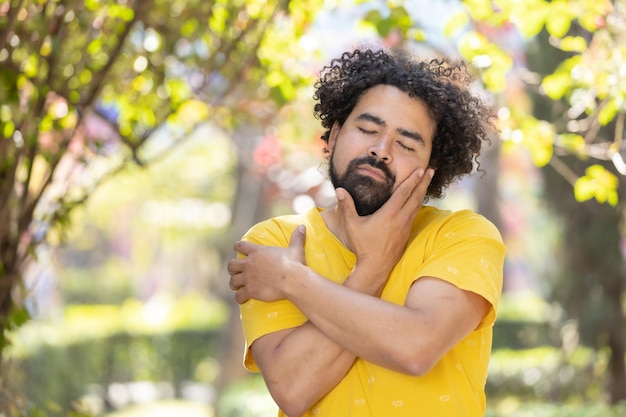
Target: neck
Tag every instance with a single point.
(331, 218)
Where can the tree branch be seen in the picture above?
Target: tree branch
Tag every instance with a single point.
(11, 16)
(99, 76)
(565, 171)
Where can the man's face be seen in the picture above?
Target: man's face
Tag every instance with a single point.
(387, 136)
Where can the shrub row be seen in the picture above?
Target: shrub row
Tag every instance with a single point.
(60, 373)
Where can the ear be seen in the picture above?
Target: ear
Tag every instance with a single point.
(332, 137)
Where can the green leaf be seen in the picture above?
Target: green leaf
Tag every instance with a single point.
(190, 113)
(573, 143)
(479, 9)
(583, 189)
(592, 15)
(373, 17)
(7, 129)
(558, 19)
(30, 66)
(556, 85)
(400, 18)
(608, 112)
(494, 79)
(457, 22)
(529, 16)
(538, 137)
(597, 183)
(573, 44)
(189, 27)
(18, 317)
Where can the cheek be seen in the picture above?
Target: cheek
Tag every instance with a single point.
(404, 172)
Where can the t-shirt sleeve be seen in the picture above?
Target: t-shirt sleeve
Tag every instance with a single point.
(259, 318)
(468, 252)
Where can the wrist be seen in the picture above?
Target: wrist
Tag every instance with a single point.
(295, 279)
(368, 277)
(374, 267)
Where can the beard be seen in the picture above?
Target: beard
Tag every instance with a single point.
(368, 193)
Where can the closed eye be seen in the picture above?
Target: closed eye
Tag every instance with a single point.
(367, 132)
(406, 148)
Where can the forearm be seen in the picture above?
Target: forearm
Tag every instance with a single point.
(302, 368)
(306, 354)
(376, 330)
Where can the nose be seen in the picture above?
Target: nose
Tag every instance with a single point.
(380, 150)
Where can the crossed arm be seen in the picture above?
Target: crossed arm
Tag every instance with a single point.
(303, 364)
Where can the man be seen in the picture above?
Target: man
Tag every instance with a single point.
(379, 306)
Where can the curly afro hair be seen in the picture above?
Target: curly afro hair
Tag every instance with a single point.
(462, 120)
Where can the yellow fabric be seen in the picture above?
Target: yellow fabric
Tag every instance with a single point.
(462, 248)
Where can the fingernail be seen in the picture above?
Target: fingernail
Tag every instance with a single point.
(420, 172)
(431, 173)
(339, 194)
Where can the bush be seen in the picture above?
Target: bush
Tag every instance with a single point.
(247, 398)
(513, 407)
(546, 373)
(54, 365)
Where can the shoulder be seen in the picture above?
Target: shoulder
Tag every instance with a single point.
(278, 230)
(465, 222)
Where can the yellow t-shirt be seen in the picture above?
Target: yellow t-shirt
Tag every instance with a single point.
(462, 248)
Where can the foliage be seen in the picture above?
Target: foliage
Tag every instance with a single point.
(89, 87)
(547, 373)
(524, 306)
(151, 230)
(566, 106)
(247, 398)
(80, 322)
(521, 383)
(555, 71)
(87, 82)
(103, 345)
(513, 407)
(584, 89)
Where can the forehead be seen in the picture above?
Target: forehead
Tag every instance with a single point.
(397, 109)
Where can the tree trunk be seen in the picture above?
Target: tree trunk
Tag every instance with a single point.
(250, 206)
(9, 398)
(617, 367)
(8, 280)
(614, 289)
(486, 188)
(590, 283)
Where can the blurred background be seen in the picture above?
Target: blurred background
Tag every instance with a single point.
(139, 139)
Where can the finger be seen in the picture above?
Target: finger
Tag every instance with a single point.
(241, 295)
(298, 237)
(416, 198)
(346, 204)
(244, 248)
(409, 195)
(235, 282)
(234, 266)
(405, 190)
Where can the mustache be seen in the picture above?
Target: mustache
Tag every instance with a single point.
(375, 163)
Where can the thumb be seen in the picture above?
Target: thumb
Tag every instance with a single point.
(297, 237)
(346, 203)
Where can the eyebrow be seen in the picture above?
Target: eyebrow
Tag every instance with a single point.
(380, 122)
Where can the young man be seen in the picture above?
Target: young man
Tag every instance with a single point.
(379, 306)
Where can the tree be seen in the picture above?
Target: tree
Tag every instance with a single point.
(556, 73)
(574, 129)
(88, 87)
(560, 97)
